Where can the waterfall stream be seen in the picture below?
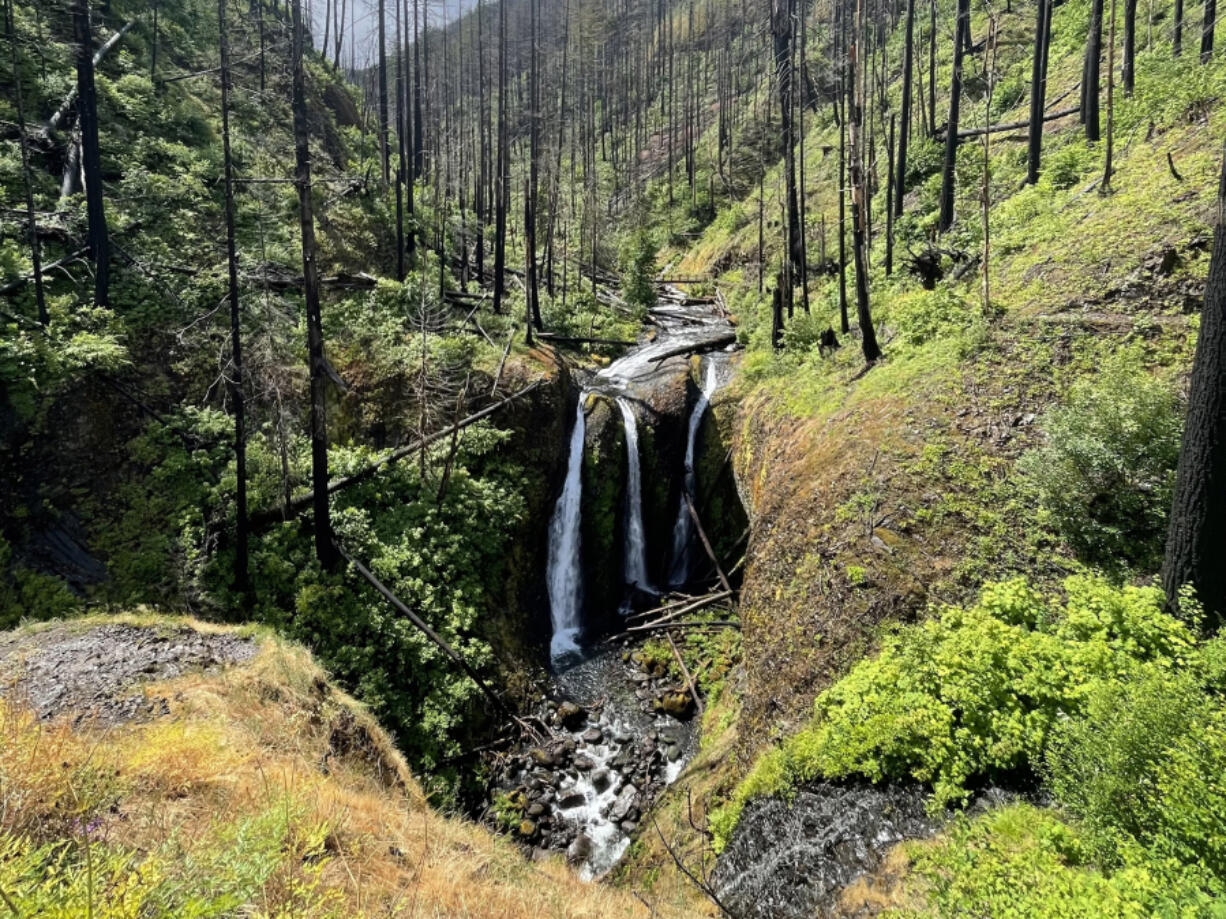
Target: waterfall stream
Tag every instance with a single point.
(634, 567)
(562, 568)
(615, 746)
(683, 531)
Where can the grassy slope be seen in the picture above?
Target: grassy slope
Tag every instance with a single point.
(876, 492)
(873, 494)
(264, 785)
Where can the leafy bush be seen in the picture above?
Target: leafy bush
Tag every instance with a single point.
(1105, 476)
(1021, 862)
(1145, 764)
(972, 693)
(922, 315)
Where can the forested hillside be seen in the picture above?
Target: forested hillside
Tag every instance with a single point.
(765, 457)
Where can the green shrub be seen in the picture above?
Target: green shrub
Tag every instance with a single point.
(638, 260)
(1105, 476)
(1021, 862)
(972, 693)
(1145, 764)
(922, 315)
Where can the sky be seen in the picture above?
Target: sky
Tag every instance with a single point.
(364, 24)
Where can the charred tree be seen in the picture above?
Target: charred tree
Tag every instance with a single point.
(859, 217)
(325, 547)
(904, 122)
(36, 260)
(98, 239)
(948, 170)
(1092, 73)
(1196, 540)
(234, 378)
(1038, 92)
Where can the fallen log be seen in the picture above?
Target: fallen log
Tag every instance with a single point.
(1008, 126)
(685, 672)
(303, 502)
(425, 629)
(698, 604)
(52, 124)
(700, 626)
(14, 286)
(666, 607)
(570, 340)
(706, 543)
(697, 347)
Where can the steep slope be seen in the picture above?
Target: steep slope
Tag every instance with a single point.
(225, 773)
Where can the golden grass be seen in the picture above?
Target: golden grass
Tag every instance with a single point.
(267, 737)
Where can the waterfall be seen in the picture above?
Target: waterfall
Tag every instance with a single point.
(683, 530)
(562, 571)
(634, 566)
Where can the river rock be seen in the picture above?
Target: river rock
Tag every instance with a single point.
(580, 849)
(624, 805)
(535, 810)
(672, 752)
(584, 763)
(601, 780)
(527, 828)
(570, 716)
(593, 735)
(571, 799)
(677, 704)
(543, 757)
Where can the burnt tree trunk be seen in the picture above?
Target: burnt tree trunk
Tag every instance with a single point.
(1196, 541)
(904, 122)
(36, 259)
(1093, 73)
(948, 171)
(97, 239)
(1038, 93)
(325, 548)
(234, 378)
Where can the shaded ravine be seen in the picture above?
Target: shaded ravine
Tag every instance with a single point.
(620, 735)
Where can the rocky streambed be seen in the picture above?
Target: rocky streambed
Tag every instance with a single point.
(621, 732)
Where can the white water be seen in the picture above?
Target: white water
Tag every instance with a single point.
(634, 567)
(683, 530)
(562, 568)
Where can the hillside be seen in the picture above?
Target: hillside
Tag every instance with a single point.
(224, 771)
(635, 493)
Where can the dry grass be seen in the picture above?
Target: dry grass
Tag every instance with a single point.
(182, 794)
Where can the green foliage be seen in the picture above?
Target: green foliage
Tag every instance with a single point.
(638, 261)
(1022, 862)
(922, 315)
(1145, 764)
(30, 595)
(975, 692)
(87, 876)
(1106, 473)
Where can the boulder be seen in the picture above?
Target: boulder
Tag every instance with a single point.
(601, 780)
(624, 806)
(580, 849)
(571, 799)
(527, 828)
(570, 716)
(593, 735)
(675, 703)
